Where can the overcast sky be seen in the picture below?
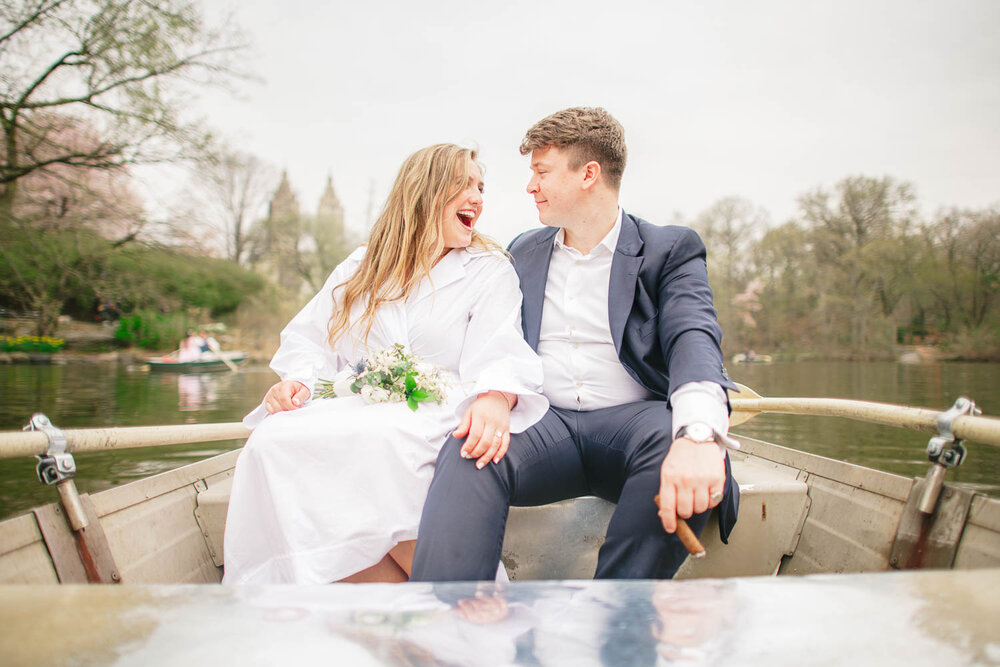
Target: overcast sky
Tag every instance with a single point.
(763, 100)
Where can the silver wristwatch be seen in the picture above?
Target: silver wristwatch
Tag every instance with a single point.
(698, 432)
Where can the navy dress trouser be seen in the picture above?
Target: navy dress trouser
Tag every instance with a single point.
(613, 453)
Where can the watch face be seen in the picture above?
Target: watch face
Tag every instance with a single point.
(700, 432)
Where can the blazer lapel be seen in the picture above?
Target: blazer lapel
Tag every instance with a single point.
(533, 269)
(624, 273)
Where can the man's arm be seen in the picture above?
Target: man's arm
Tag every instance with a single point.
(693, 475)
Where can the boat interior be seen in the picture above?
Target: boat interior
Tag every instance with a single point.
(799, 514)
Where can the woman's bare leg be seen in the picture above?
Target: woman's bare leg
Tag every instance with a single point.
(402, 553)
(386, 571)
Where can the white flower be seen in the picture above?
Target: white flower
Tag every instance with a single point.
(342, 387)
(366, 393)
(379, 395)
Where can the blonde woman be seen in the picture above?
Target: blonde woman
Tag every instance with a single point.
(331, 489)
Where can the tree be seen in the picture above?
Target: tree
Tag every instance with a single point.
(125, 66)
(847, 229)
(961, 266)
(728, 229)
(785, 262)
(234, 188)
(66, 224)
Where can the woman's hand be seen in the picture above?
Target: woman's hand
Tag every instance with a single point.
(487, 425)
(285, 395)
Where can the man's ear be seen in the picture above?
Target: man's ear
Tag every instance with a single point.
(591, 174)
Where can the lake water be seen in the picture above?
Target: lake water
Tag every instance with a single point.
(114, 395)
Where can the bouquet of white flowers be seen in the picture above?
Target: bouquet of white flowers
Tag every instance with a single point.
(391, 375)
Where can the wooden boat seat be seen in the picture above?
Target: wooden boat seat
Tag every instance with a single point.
(561, 540)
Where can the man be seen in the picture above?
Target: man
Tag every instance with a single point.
(620, 311)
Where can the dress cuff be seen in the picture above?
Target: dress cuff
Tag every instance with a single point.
(531, 405)
(257, 415)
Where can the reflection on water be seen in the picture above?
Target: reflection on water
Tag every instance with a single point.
(112, 395)
(195, 392)
(905, 618)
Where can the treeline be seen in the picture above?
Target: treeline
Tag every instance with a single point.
(855, 273)
(90, 90)
(53, 272)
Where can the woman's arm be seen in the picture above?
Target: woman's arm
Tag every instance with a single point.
(506, 373)
(304, 354)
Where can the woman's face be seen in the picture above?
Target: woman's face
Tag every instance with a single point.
(462, 212)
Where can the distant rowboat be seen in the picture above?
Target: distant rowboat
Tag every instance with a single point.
(751, 358)
(209, 361)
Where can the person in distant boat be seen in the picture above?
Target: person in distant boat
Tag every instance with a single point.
(620, 311)
(208, 343)
(331, 489)
(190, 348)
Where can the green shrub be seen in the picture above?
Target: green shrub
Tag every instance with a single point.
(151, 330)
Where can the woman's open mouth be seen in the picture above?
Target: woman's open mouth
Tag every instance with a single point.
(467, 218)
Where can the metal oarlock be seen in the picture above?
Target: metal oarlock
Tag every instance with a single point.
(945, 451)
(56, 466)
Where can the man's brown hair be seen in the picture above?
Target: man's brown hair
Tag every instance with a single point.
(585, 133)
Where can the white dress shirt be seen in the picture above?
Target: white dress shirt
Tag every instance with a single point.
(581, 366)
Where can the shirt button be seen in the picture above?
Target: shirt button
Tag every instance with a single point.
(579, 384)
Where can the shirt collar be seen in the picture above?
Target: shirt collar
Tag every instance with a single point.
(609, 242)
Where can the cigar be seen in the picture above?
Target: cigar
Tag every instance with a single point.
(687, 536)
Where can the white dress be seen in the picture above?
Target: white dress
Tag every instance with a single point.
(325, 491)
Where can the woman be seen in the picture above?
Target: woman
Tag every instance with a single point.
(190, 348)
(332, 489)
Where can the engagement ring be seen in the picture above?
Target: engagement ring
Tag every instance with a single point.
(498, 436)
(716, 497)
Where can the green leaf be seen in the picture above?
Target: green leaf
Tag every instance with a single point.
(411, 383)
(412, 402)
(419, 394)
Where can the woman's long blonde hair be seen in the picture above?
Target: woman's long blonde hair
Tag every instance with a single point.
(406, 240)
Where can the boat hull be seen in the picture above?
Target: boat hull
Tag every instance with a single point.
(167, 364)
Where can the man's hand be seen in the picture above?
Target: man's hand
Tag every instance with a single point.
(487, 425)
(692, 473)
(286, 395)
(482, 609)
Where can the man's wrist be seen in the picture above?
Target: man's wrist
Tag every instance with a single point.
(702, 433)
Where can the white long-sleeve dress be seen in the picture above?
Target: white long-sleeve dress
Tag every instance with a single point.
(327, 490)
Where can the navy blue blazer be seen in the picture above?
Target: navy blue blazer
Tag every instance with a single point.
(663, 323)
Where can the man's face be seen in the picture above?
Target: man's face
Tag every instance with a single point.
(556, 188)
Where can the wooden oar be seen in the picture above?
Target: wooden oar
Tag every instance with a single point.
(747, 404)
(218, 352)
(29, 443)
